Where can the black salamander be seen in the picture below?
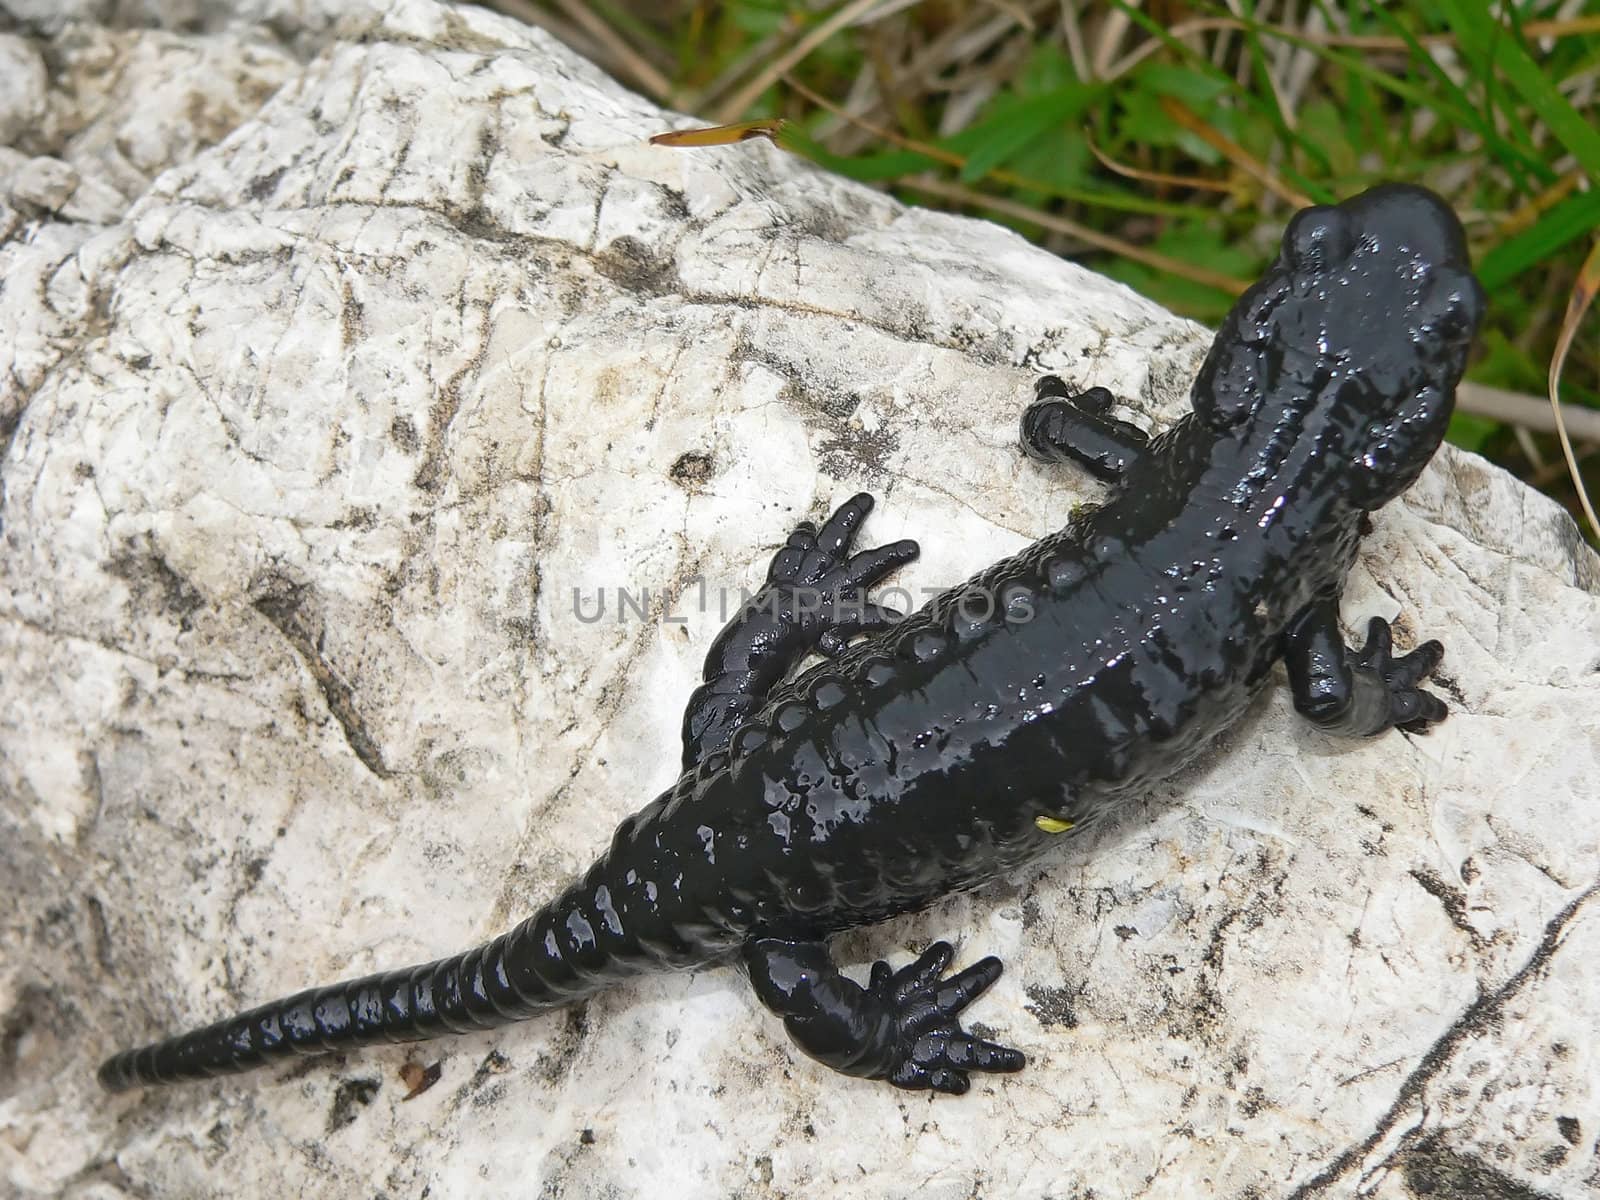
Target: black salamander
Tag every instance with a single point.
(936, 752)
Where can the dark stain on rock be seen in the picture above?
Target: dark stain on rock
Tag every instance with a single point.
(691, 470)
(478, 168)
(252, 871)
(798, 390)
(575, 1028)
(1031, 912)
(1253, 1102)
(9, 420)
(567, 1173)
(352, 315)
(217, 1135)
(16, 1025)
(630, 264)
(826, 224)
(431, 473)
(834, 406)
(1447, 684)
(675, 206)
(403, 433)
(1432, 1169)
(522, 631)
(846, 448)
(1053, 1005)
(290, 607)
(852, 451)
(154, 583)
(1569, 537)
(1451, 898)
(351, 1096)
(262, 186)
(363, 517)
(494, 1063)
(490, 1096)
(32, 1032)
(100, 933)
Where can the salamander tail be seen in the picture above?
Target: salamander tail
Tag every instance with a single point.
(531, 968)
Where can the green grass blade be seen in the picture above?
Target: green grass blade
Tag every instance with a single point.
(1012, 125)
(1497, 48)
(867, 168)
(1518, 156)
(1273, 107)
(1567, 221)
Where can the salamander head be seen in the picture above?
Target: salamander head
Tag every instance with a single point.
(1356, 336)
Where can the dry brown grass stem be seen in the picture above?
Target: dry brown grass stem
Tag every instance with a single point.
(1572, 27)
(630, 62)
(850, 14)
(1065, 225)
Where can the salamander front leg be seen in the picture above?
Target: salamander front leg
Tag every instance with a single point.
(1358, 692)
(1062, 426)
(901, 1027)
(814, 599)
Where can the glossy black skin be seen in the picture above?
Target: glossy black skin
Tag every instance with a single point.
(937, 753)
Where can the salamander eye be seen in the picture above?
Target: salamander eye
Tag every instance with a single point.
(1463, 308)
(1318, 239)
(1448, 313)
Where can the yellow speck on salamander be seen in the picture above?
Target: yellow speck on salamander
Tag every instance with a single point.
(1052, 824)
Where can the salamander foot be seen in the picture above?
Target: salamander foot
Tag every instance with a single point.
(1066, 426)
(901, 1027)
(817, 587)
(933, 1050)
(814, 599)
(1410, 708)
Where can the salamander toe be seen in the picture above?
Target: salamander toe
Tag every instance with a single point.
(933, 1050)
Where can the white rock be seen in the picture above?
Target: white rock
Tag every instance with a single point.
(45, 182)
(22, 88)
(310, 446)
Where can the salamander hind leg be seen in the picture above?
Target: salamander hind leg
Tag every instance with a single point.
(1410, 707)
(1359, 692)
(1065, 426)
(814, 599)
(903, 1027)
